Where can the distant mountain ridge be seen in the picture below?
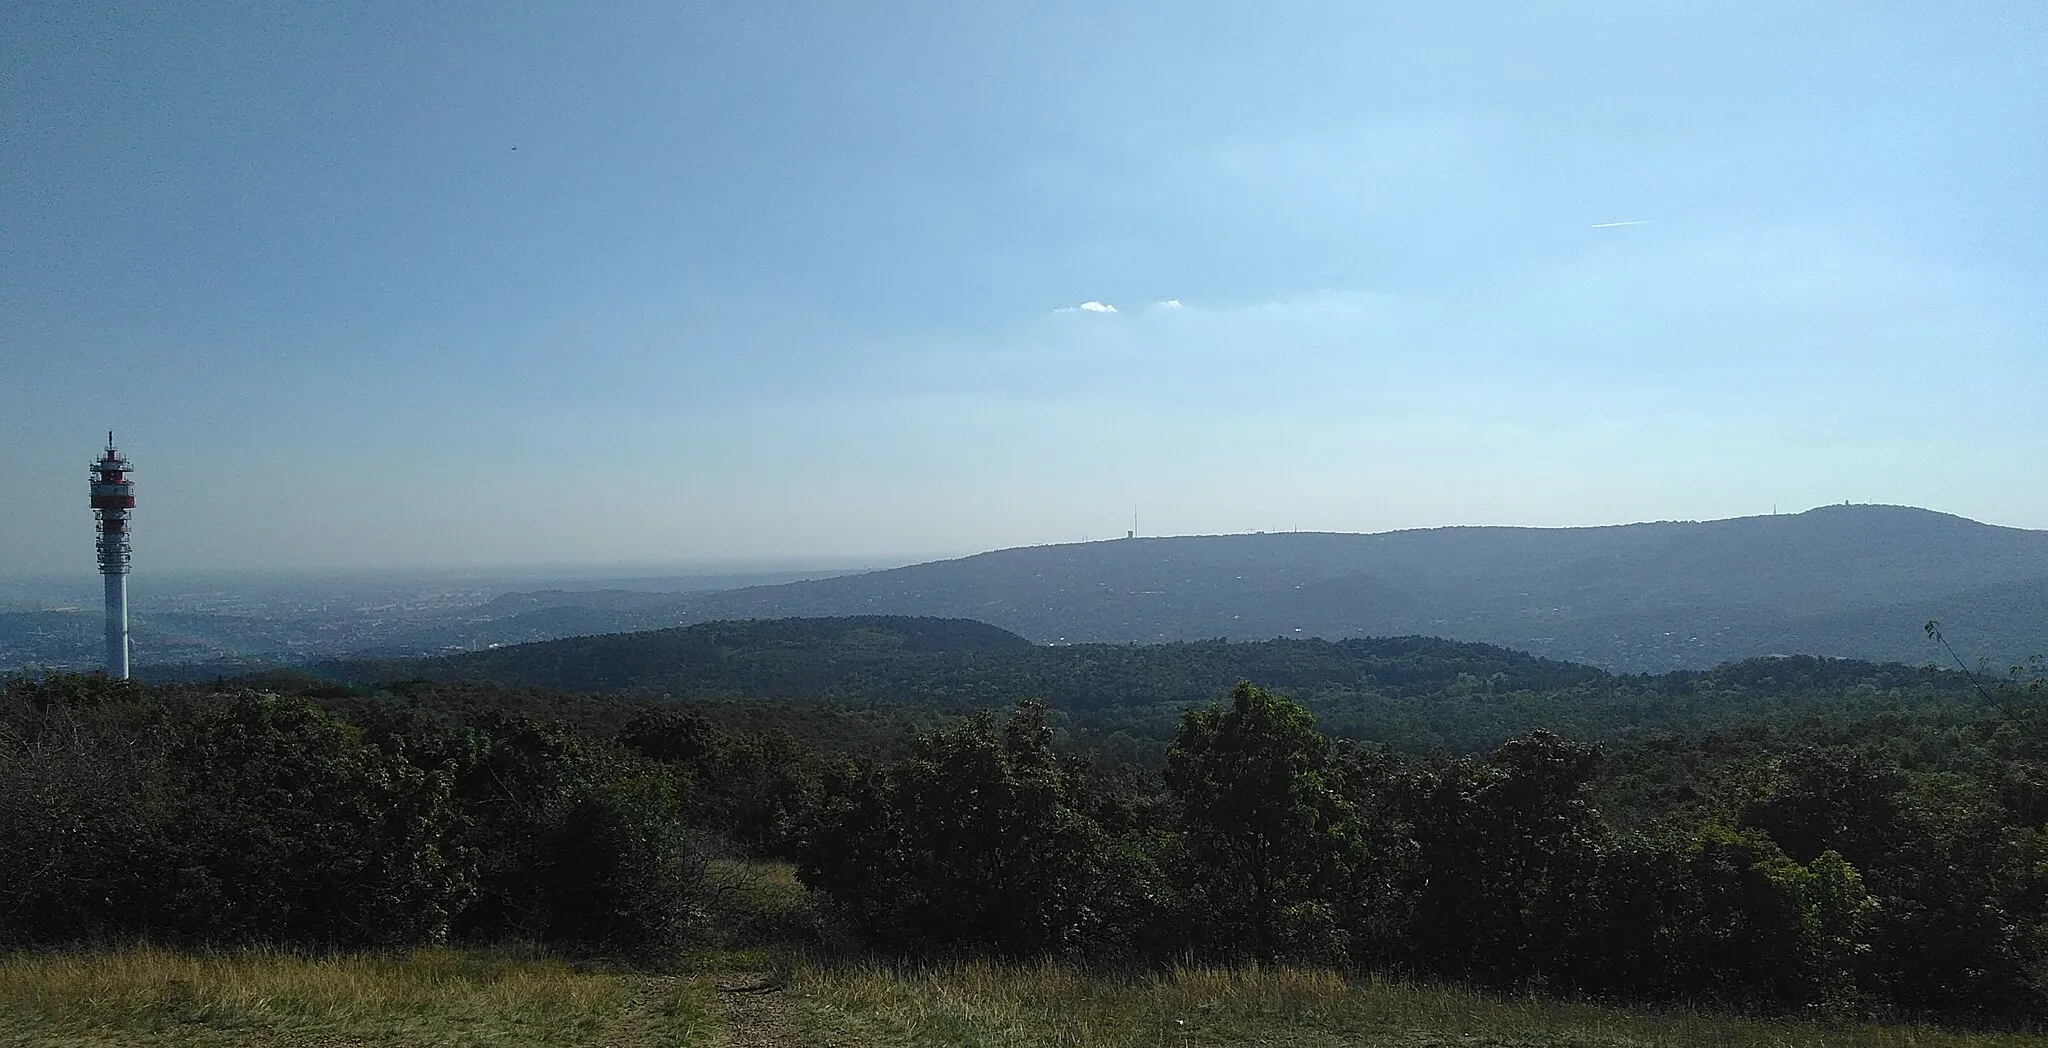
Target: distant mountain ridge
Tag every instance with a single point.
(1853, 581)
(1845, 581)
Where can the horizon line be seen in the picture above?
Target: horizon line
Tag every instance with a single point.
(853, 563)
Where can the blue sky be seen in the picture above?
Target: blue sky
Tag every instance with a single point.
(496, 284)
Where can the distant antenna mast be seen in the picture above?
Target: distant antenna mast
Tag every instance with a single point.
(113, 502)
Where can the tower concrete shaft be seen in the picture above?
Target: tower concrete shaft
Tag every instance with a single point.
(113, 505)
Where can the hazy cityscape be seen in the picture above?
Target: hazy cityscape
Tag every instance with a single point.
(223, 622)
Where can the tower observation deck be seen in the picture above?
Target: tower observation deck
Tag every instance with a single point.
(113, 504)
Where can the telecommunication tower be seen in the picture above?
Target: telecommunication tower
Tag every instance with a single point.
(113, 503)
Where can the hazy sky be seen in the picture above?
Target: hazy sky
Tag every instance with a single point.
(486, 283)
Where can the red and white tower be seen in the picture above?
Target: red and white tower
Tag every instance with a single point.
(113, 503)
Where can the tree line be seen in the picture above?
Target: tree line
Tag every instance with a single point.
(1416, 694)
(1894, 866)
(198, 818)
(1825, 877)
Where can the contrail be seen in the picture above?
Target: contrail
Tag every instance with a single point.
(1616, 225)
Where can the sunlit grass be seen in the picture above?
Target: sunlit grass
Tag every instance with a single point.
(149, 996)
(988, 1005)
(446, 997)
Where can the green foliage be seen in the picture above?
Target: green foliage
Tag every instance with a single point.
(1831, 799)
(976, 840)
(751, 790)
(621, 873)
(579, 846)
(1834, 917)
(84, 806)
(246, 818)
(1876, 843)
(1507, 848)
(1124, 702)
(240, 817)
(293, 829)
(1271, 838)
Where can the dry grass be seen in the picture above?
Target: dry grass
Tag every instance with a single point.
(432, 997)
(986, 1005)
(153, 998)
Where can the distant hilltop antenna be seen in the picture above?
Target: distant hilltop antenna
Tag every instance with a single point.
(113, 503)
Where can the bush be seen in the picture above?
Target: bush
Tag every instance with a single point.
(239, 818)
(976, 841)
(244, 818)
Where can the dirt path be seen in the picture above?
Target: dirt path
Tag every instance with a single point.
(755, 1010)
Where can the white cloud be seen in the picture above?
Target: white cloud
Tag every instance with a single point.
(1171, 303)
(1090, 306)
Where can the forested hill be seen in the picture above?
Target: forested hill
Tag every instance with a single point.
(1854, 581)
(958, 662)
(1414, 693)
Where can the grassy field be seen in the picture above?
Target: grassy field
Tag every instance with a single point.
(438, 997)
(148, 997)
(1047, 1006)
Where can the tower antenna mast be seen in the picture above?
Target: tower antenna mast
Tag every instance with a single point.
(113, 504)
